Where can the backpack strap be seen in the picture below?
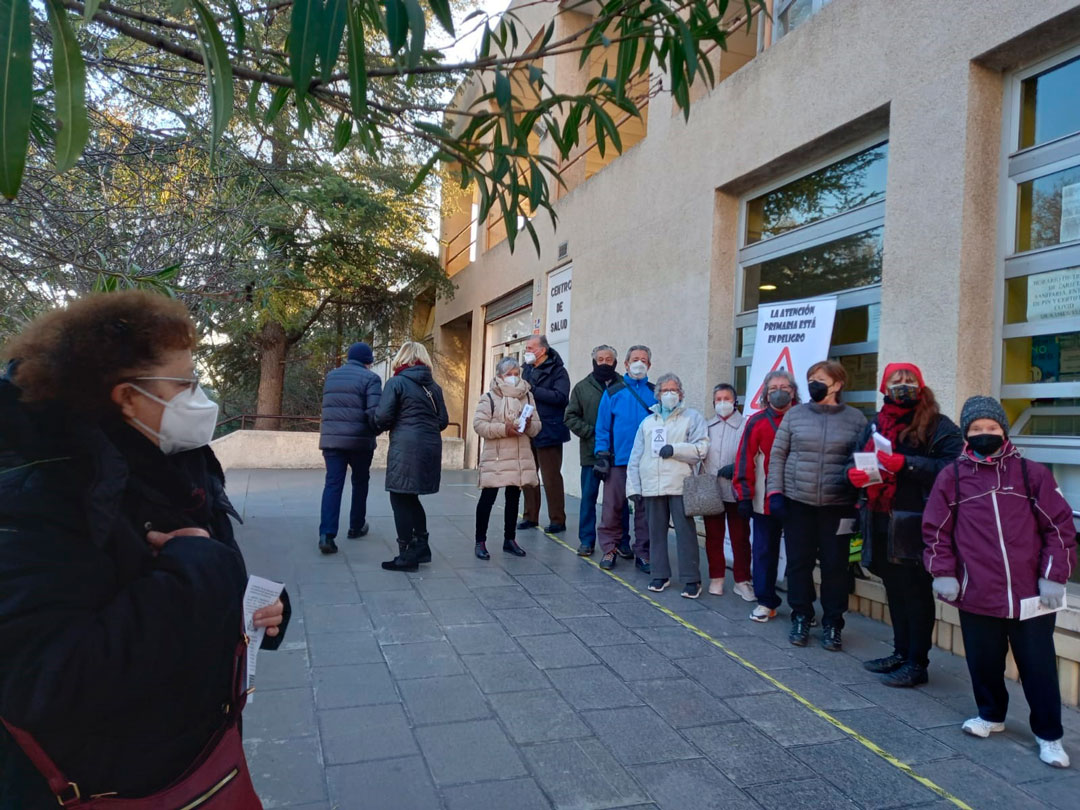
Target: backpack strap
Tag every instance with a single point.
(956, 484)
(639, 399)
(65, 791)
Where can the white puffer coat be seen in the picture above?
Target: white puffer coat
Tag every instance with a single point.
(506, 459)
(654, 477)
(724, 438)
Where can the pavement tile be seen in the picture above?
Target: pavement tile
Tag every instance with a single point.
(505, 672)
(394, 603)
(443, 700)
(914, 708)
(286, 772)
(764, 655)
(280, 715)
(899, 739)
(459, 611)
(785, 720)
(472, 639)
(281, 669)
(375, 580)
(1058, 793)
(723, 677)
(473, 751)
(329, 571)
(638, 614)
(720, 627)
(593, 687)
(539, 716)
(557, 650)
(605, 590)
(1009, 758)
(637, 662)
(807, 794)
(600, 631)
(360, 685)
(544, 584)
(364, 733)
(582, 775)
(442, 588)
(691, 783)
(401, 784)
(336, 618)
(744, 754)
(533, 621)
(336, 649)
(515, 794)
(329, 593)
(864, 777)
(675, 642)
(407, 628)
(569, 605)
(504, 597)
(683, 702)
(819, 690)
(637, 735)
(485, 576)
(424, 659)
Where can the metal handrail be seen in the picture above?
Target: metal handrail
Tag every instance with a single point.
(244, 417)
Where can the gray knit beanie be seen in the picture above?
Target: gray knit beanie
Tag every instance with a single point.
(982, 408)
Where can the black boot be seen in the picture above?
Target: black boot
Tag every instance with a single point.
(405, 561)
(355, 534)
(510, 546)
(800, 631)
(327, 544)
(889, 663)
(481, 550)
(423, 550)
(907, 676)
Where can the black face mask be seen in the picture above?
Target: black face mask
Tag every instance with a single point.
(779, 399)
(818, 390)
(906, 396)
(985, 444)
(603, 372)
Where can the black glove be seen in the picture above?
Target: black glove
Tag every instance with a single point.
(602, 465)
(746, 509)
(667, 451)
(777, 505)
(727, 471)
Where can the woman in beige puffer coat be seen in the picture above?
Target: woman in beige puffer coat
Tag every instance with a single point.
(506, 460)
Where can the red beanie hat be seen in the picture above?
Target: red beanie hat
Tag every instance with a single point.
(892, 368)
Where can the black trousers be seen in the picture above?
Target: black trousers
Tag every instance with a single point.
(911, 607)
(410, 519)
(987, 640)
(810, 535)
(510, 512)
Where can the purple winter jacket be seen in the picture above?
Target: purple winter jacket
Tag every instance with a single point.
(992, 542)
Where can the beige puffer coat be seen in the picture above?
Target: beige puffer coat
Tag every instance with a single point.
(506, 459)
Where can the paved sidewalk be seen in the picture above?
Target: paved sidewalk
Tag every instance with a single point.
(544, 683)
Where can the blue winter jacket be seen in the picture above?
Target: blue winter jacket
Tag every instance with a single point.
(350, 396)
(621, 413)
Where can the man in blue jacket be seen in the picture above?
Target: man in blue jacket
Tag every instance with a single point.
(621, 410)
(347, 439)
(545, 372)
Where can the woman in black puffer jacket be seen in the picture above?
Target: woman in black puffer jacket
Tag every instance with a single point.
(121, 583)
(413, 411)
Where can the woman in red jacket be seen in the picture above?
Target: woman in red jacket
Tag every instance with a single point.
(999, 532)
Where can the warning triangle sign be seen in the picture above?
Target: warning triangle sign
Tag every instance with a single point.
(783, 363)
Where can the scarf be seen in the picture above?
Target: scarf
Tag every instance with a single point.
(891, 419)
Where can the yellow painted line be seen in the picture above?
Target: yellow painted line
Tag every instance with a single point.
(787, 690)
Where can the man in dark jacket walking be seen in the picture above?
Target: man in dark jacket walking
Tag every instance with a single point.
(347, 439)
(545, 372)
(580, 417)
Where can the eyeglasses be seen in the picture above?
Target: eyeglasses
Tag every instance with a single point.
(192, 383)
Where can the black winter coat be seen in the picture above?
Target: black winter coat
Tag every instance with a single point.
(551, 388)
(898, 537)
(116, 660)
(350, 397)
(413, 410)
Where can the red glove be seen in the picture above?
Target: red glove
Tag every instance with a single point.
(892, 462)
(858, 478)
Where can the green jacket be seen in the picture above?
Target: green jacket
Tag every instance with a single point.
(580, 414)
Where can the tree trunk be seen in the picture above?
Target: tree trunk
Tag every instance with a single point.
(273, 347)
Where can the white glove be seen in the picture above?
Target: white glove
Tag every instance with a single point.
(948, 588)
(1051, 594)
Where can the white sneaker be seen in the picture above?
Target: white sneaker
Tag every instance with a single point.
(716, 587)
(762, 614)
(977, 727)
(1053, 753)
(746, 591)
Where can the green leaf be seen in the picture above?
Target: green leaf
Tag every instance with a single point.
(253, 101)
(239, 30)
(441, 9)
(305, 34)
(276, 103)
(69, 81)
(342, 133)
(502, 89)
(417, 28)
(397, 26)
(218, 72)
(16, 93)
(422, 175)
(90, 9)
(357, 69)
(334, 16)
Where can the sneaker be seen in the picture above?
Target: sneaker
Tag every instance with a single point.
(1053, 753)
(691, 590)
(830, 639)
(745, 591)
(977, 727)
(642, 565)
(716, 586)
(906, 677)
(657, 585)
(607, 562)
(890, 663)
(625, 551)
(585, 550)
(800, 631)
(762, 614)
(527, 524)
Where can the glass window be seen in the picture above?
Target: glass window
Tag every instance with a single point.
(1048, 210)
(795, 15)
(861, 370)
(1039, 297)
(849, 183)
(844, 264)
(1046, 417)
(740, 380)
(1042, 359)
(852, 325)
(1048, 104)
(746, 337)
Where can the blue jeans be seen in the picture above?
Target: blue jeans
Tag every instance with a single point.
(766, 553)
(337, 462)
(590, 491)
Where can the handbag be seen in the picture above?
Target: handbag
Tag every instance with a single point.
(218, 779)
(701, 495)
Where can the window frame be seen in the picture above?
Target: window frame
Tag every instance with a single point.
(782, 6)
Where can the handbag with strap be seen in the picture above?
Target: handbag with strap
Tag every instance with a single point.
(702, 495)
(218, 779)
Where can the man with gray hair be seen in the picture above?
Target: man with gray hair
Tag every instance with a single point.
(580, 417)
(543, 369)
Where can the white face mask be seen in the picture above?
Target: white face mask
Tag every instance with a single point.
(724, 408)
(510, 380)
(530, 358)
(670, 400)
(638, 369)
(187, 422)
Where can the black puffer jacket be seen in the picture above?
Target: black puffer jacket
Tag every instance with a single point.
(412, 409)
(116, 660)
(350, 398)
(551, 388)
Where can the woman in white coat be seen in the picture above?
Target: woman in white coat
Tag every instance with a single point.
(725, 433)
(670, 443)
